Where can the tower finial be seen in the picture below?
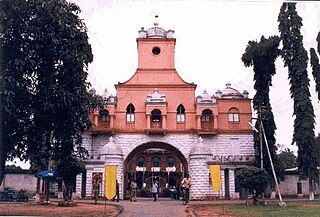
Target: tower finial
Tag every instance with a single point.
(156, 20)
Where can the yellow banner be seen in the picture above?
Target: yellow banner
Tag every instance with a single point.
(110, 177)
(215, 177)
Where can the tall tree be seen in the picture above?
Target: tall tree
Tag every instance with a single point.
(45, 96)
(15, 110)
(262, 55)
(296, 59)
(316, 66)
(2, 150)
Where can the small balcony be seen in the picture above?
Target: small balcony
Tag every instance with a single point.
(103, 127)
(155, 125)
(207, 128)
(156, 128)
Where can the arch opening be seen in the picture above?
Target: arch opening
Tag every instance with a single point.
(159, 166)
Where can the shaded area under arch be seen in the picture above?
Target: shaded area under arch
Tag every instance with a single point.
(165, 172)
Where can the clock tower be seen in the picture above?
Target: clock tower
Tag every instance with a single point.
(156, 48)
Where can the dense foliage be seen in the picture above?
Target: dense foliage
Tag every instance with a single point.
(296, 59)
(44, 92)
(315, 65)
(262, 56)
(254, 180)
(287, 159)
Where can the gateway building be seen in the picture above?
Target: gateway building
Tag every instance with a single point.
(156, 129)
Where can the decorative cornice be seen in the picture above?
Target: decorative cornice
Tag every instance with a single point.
(233, 159)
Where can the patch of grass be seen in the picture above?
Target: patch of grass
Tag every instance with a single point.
(271, 210)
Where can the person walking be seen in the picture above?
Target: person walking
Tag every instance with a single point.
(154, 191)
(133, 193)
(186, 185)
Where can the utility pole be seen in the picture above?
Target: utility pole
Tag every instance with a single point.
(260, 136)
(272, 167)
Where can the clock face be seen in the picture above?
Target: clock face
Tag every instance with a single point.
(156, 50)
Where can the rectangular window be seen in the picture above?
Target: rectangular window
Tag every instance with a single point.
(205, 118)
(105, 118)
(233, 117)
(130, 117)
(180, 118)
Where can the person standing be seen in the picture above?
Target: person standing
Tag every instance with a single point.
(117, 192)
(133, 193)
(186, 185)
(96, 187)
(154, 190)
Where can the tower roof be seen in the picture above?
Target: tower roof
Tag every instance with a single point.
(111, 148)
(155, 32)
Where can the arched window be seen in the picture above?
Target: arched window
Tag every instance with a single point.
(156, 162)
(104, 115)
(171, 162)
(233, 115)
(206, 115)
(130, 113)
(180, 114)
(155, 115)
(141, 162)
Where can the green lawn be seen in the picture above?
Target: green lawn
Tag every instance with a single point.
(294, 209)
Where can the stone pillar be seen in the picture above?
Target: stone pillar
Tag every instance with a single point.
(111, 153)
(89, 181)
(232, 184)
(148, 121)
(118, 161)
(164, 121)
(198, 121)
(199, 170)
(79, 184)
(215, 121)
(111, 121)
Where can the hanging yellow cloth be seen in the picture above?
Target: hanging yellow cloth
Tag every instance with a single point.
(110, 177)
(215, 177)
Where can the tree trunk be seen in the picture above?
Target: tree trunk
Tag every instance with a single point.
(311, 186)
(273, 190)
(2, 149)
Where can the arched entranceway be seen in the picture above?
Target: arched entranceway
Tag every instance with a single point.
(154, 161)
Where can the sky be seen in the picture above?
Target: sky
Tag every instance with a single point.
(211, 37)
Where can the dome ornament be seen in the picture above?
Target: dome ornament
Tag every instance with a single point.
(156, 18)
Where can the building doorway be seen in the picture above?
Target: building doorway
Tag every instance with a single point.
(154, 161)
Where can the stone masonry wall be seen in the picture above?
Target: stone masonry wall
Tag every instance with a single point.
(199, 171)
(220, 145)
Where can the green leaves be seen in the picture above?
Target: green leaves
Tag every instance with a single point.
(254, 179)
(315, 69)
(262, 55)
(295, 58)
(45, 89)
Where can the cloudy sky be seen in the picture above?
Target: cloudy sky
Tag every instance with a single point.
(211, 38)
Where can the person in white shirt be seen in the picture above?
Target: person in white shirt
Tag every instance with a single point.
(155, 191)
(186, 185)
